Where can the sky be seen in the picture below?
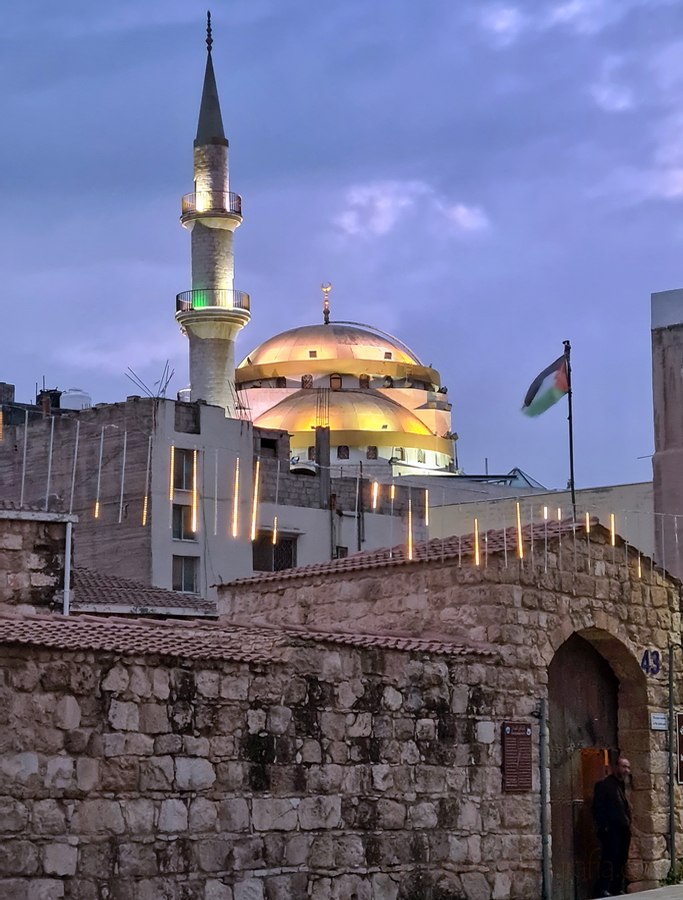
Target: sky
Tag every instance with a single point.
(483, 180)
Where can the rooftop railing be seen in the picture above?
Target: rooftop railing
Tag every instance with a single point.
(214, 202)
(210, 297)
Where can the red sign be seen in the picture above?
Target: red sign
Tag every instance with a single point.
(517, 768)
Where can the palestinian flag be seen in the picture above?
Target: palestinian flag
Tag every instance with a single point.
(547, 388)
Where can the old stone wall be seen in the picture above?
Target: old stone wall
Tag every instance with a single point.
(31, 560)
(341, 772)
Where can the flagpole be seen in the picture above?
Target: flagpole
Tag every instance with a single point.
(570, 420)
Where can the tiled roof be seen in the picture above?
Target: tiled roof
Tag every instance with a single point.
(191, 640)
(143, 637)
(96, 592)
(455, 547)
(10, 509)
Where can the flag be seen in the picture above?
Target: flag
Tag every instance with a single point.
(547, 388)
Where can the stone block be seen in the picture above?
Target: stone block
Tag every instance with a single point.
(203, 815)
(59, 773)
(18, 857)
(13, 815)
(216, 890)
(274, 815)
(98, 817)
(19, 766)
(359, 724)
(256, 720)
(278, 720)
(44, 889)
(124, 716)
(320, 812)
(390, 814)
(476, 886)
(48, 817)
(384, 887)
(137, 861)
(140, 682)
(423, 815)
(196, 746)
(382, 778)
(138, 814)
(68, 713)
(60, 859)
(116, 679)
(251, 889)
(173, 816)
(156, 774)
(213, 854)
(234, 815)
(154, 718)
(194, 773)
(113, 744)
(486, 732)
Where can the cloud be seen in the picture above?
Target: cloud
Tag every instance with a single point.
(608, 92)
(376, 208)
(504, 23)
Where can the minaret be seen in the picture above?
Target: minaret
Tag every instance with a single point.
(213, 312)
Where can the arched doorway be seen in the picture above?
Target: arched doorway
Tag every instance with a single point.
(583, 702)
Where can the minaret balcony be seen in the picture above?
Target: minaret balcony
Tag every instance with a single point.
(211, 204)
(188, 301)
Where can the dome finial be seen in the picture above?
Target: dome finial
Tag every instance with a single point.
(326, 287)
(209, 39)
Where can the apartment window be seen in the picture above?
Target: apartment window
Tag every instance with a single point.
(421, 456)
(183, 462)
(269, 447)
(269, 557)
(371, 453)
(342, 451)
(364, 382)
(335, 382)
(182, 523)
(185, 574)
(312, 354)
(306, 382)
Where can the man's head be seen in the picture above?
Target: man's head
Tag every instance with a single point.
(622, 768)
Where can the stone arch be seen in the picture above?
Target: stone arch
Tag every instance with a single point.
(594, 674)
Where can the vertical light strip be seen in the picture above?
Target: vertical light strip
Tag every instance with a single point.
(171, 480)
(375, 495)
(476, 542)
(49, 462)
(23, 459)
(2, 425)
(195, 493)
(545, 538)
(99, 475)
(277, 500)
(392, 497)
(559, 537)
(73, 468)
(427, 507)
(215, 494)
(236, 499)
(145, 501)
(123, 474)
(588, 523)
(640, 567)
(274, 530)
(612, 530)
(254, 505)
(520, 541)
(410, 527)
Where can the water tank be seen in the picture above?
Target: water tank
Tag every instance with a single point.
(75, 398)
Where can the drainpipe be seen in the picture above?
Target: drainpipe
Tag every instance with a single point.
(67, 570)
(672, 763)
(547, 877)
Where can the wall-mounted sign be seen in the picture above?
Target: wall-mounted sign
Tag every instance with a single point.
(517, 770)
(679, 745)
(659, 721)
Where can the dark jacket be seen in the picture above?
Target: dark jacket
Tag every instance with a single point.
(611, 809)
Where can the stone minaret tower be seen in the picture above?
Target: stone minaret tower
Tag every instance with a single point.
(213, 312)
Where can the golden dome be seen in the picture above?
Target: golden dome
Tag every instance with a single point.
(336, 341)
(356, 418)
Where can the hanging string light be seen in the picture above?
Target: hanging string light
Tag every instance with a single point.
(410, 526)
(194, 525)
(520, 540)
(277, 498)
(236, 499)
(49, 462)
(612, 530)
(375, 495)
(23, 460)
(145, 500)
(254, 506)
(476, 542)
(215, 493)
(99, 476)
(427, 507)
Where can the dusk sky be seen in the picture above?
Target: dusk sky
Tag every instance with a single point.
(482, 180)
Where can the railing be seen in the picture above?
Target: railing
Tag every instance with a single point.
(189, 300)
(221, 202)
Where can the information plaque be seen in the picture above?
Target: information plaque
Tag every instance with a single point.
(517, 767)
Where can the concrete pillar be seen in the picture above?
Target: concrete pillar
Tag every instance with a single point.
(667, 463)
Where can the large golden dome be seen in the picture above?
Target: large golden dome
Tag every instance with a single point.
(356, 418)
(335, 341)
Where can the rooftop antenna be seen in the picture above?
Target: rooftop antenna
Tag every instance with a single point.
(138, 382)
(326, 287)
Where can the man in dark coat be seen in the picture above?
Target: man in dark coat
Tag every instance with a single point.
(612, 815)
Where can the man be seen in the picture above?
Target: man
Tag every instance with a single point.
(612, 815)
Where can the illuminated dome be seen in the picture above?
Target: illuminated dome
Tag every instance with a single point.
(336, 341)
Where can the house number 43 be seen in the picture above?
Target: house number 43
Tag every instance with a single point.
(651, 663)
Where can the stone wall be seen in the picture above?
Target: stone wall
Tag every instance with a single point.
(31, 559)
(337, 772)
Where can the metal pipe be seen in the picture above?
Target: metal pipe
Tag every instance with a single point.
(672, 742)
(67, 570)
(49, 463)
(23, 460)
(546, 870)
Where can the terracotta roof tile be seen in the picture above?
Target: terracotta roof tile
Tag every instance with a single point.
(392, 642)
(95, 591)
(455, 547)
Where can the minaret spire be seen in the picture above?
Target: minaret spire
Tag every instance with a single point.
(326, 287)
(213, 312)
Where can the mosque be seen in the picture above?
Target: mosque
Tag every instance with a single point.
(380, 402)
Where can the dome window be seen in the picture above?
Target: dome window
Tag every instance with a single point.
(371, 453)
(306, 382)
(388, 354)
(388, 381)
(311, 454)
(312, 354)
(280, 382)
(421, 456)
(342, 451)
(399, 452)
(335, 382)
(364, 382)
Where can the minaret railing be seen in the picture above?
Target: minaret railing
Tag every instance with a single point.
(211, 202)
(211, 297)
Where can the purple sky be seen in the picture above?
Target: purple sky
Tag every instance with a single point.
(481, 179)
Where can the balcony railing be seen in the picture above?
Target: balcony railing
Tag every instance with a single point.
(214, 202)
(201, 299)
